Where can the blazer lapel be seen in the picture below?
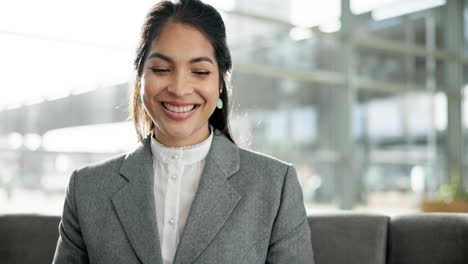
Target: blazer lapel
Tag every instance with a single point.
(214, 200)
(134, 204)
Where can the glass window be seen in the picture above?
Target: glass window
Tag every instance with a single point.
(293, 96)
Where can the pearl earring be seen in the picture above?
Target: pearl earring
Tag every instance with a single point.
(219, 105)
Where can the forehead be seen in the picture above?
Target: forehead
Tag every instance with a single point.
(182, 41)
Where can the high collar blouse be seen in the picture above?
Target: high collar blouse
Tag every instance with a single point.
(177, 172)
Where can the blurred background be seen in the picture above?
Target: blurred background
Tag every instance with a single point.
(365, 97)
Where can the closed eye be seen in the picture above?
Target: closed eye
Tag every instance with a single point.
(202, 73)
(159, 70)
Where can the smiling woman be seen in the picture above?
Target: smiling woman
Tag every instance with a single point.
(180, 85)
(187, 193)
(175, 41)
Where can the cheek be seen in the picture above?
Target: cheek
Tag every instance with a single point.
(212, 91)
(211, 94)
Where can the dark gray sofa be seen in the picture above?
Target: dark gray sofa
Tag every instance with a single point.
(337, 238)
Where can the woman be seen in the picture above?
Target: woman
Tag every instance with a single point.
(187, 193)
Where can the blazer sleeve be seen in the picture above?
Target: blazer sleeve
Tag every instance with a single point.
(71, 248)
(290, 240)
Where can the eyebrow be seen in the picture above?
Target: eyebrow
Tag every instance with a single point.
(168, 59)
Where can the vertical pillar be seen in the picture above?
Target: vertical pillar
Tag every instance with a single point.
(455, 147)
(432, 178)
(347, 180)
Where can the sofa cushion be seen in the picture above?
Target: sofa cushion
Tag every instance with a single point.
(432, 238)
(349, 238)
(28, 238)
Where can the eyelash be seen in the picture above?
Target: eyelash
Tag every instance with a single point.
(165, 70)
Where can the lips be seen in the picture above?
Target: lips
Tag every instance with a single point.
(179, 111)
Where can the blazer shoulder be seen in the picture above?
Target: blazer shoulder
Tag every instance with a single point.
(261, 157)
(98, 179)
(105, 166)
(261, 160)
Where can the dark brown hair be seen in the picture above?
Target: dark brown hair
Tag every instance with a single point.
(205, 19)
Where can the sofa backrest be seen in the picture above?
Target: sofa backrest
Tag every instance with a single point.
(337, 238)
(434, 238)
(349, 238)
(28, 238)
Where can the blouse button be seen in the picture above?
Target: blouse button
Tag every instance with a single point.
(174, 157)
(173, 177)
(171, 221)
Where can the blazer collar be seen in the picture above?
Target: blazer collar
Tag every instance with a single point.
(134, 204)
(214, 200)
(213, 203)
(224, 153)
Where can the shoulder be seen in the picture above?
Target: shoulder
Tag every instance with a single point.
(100, 177)
(106, 166)
(260, 160)
(266, 182)
(228, 153)
(262, 172)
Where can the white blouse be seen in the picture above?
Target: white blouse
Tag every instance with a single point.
(177, 172)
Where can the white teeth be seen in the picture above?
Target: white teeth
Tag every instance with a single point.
(179, 109)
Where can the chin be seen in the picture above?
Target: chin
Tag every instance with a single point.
(177, 131)
(179, 134)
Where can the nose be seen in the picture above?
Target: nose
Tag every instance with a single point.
(180, 84)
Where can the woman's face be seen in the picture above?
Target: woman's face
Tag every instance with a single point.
(180, 85)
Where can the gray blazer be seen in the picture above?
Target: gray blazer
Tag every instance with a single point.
(248, 209)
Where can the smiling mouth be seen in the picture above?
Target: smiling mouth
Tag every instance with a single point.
(179, 109)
